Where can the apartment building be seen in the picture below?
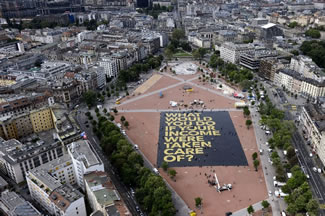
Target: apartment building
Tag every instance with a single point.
(102, 195)
(296, 83)
(12, 204)
(230, 52)
(306, 67)
(313, 121)
(84, 159)
(16, 158)
(61, 169)
(109, 65)
(33, 121)
(269, 66)
(56, 198)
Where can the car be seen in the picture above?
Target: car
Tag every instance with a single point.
(87, 126)
(266, 143)
(261, 151)
(296, 150)
(315, 169)
(270, 193)
(136, 147)
(310, 154)
(307, 176)
(267, 132)
(228, 213)
(137, 208)
(270, 150)
(319, 170)
(270, 161)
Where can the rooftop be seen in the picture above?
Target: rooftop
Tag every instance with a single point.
(64, 195)
(269, 25)
(99, 183)
(16, 151)
(82, 151)
(17, 205)
(43, 179)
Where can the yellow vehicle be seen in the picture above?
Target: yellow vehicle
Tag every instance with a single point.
(192, 213)
(118, 102)
(189, 90)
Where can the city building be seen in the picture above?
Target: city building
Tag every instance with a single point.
(84, 159)
(17, 157)
(58, 199)
(110, 66)
(102, 195)
(252, 59)
(11, 204)
(297, 84)
(142, 3)
(313, 121)
(269, 31)
(306, 67)
(13, 126)
(269, 66)
(230, 52)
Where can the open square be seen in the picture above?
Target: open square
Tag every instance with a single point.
(199, 139)
(144, 111)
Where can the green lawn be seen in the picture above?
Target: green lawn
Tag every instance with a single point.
(182, 54)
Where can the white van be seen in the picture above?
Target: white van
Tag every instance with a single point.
(155, 170)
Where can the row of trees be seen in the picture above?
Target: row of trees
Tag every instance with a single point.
(231, 72)
(151, 191)
(296, 186)
(133, 73)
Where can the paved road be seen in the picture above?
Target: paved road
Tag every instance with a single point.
(316, 182)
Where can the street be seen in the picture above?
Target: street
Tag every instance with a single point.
(123, 190)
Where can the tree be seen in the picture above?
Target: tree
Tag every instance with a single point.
(178, 34)
(115, 111)
(293, 24)
(248, 123)
(122, 119)
(105, 110)
(126, 124)
(202, 52)
(313, 33)
(169, 54)
(90, 98)
(111, 118)
(38, 63)
(164, 165)
(246, 111)
(198, 202)
(250, 209)
(295, 52)
(254, 156)
(96, 110)
(196, 54)
(265, 204)
(312, 207)
(172, 173)
(256, 164)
